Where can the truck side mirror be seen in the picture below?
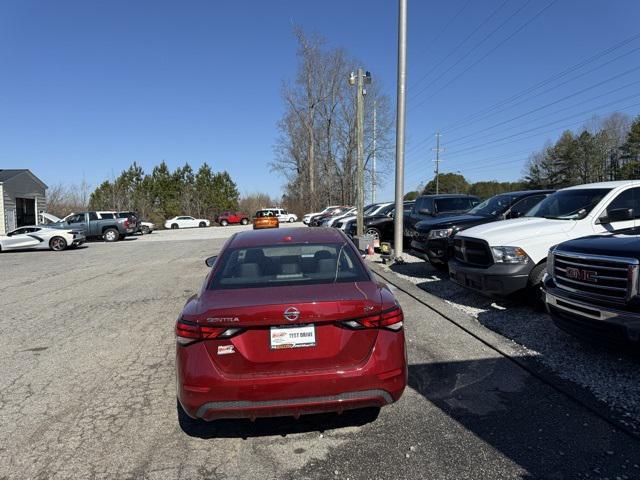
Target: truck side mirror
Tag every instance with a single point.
(514, 214)
(618, 215)
(211, 261)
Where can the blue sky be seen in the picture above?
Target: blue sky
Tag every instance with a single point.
(88, 87)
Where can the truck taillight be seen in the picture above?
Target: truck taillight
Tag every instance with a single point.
(188, 332)
(391, 319)
(126, 223)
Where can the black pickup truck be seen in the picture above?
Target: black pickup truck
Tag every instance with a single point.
(591, 288)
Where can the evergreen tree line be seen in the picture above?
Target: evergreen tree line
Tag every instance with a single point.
(606, 150)
(164, 194)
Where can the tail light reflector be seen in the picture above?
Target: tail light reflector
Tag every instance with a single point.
(390, 319)
(188, 332)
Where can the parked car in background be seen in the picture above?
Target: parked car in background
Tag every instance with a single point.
(433, 206)
(265, 219)
(147, 227)
(591, 290)
(186, 221)
(345, 218)
(287, 323)
(232, 217)
(38, 237)
(379, 226)
(103, 225)
(509, 256)
(307, 216)
(330, 222)
(317, 220)
(435, 236)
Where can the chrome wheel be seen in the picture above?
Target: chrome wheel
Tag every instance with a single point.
(373, 232)
(58, 244)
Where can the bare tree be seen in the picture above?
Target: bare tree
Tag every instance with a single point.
(315, 150)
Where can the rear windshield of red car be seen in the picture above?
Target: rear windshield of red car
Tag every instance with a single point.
(286, 265)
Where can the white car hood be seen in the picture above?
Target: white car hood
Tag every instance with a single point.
(521, 231)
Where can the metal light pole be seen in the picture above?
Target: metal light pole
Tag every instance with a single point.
(373, 166)
(398, 221)
(360, 79)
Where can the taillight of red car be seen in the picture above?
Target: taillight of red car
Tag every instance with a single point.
(391, 319)
(188, 332)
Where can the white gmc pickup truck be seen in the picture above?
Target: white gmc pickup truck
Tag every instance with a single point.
(505, 257)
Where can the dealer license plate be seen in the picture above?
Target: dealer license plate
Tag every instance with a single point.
(293, 337)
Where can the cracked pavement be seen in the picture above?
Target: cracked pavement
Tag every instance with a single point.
(87, 389)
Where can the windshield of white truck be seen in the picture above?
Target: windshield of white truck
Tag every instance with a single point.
(569, 204)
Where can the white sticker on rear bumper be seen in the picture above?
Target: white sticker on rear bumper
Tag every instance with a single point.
(225, 349)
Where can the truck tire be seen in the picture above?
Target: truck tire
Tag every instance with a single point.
(110, 235)
(535, 294)
(57, 244)
(244, 221)
(202, 224)
(224, 223)
(290, 220)
(145, 230)
(174, 226)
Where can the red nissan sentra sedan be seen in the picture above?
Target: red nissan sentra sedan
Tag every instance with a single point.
(289, 322)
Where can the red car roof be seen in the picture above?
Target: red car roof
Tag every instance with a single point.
(253, 238)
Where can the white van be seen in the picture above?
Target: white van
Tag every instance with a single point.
(501, 258)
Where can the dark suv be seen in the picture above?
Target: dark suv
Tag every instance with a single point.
(436, 206)
(591, 288)
(435, 236)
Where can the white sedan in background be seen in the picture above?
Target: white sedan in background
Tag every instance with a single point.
(186, 222)
(41, 238)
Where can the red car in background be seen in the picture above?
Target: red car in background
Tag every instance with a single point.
(288, 322)
(226, 218)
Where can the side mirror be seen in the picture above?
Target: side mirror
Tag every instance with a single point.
(210, 262)
(617, 215)
(514, 214)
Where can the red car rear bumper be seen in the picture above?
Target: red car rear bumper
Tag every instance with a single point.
(205, 392)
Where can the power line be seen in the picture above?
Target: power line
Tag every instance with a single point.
(476, 46)
(446, 57)
(548, 90)
(491, 110)
(546, 81)
(555, 102)
(492, 144)
(438, 35)
(518, 30)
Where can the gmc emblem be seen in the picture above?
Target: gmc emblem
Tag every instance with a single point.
(584, 275)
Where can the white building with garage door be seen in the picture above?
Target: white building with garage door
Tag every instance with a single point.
(22, 198)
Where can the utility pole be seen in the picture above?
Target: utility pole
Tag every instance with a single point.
(398, 220)
(373, 166)
(437, 161)
(360, 79)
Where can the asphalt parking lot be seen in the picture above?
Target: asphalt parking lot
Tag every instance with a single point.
(87, 389)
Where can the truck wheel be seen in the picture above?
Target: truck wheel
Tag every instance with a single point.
(244, 221)
(57, 244)
(145, 230)
(373, 232)
(174, 226)
(535, 293)
(110, 235)
(290, 219)
(224, 223)
(202, 224)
